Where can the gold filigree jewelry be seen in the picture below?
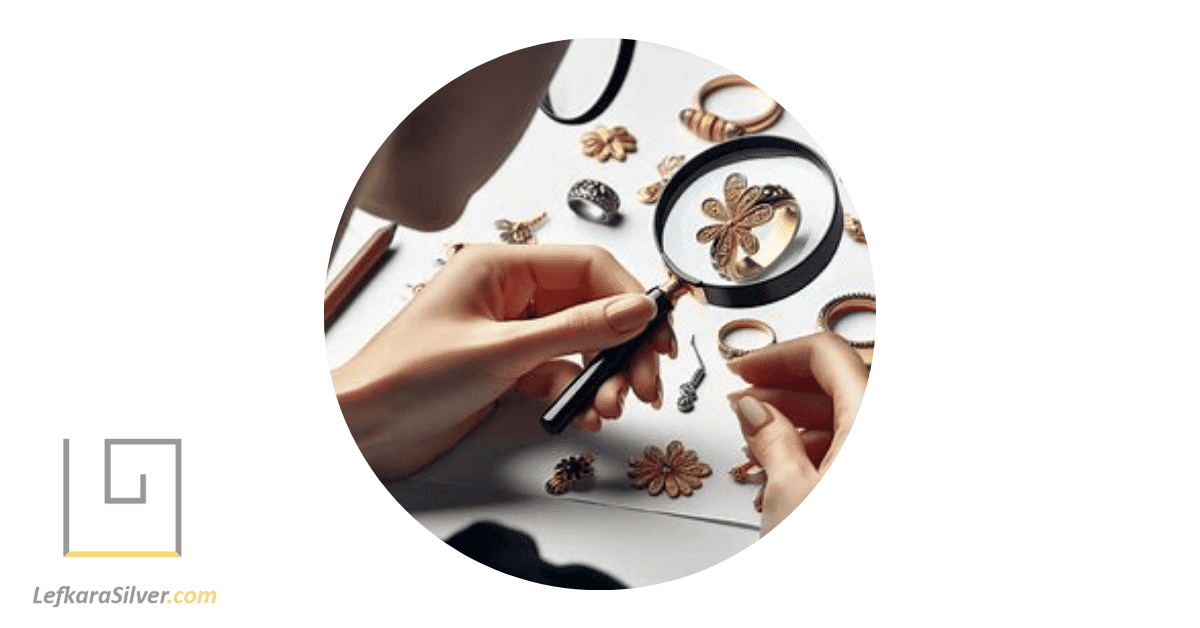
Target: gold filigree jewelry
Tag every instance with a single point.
(520, 232)
(678, 471)
(841, 306)
(746, 208)
(750, 472)
(855, 229)
(649, 193)
(569, 472)
(602, 142)
(709, 126)
(730, 352)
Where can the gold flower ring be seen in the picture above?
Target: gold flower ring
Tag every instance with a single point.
(745, 208)
(709, 126)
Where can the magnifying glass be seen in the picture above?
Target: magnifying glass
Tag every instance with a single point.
(745, 223)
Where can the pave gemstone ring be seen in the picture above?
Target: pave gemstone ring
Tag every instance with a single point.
(594, 201)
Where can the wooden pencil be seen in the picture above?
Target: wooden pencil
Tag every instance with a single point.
(350, 278)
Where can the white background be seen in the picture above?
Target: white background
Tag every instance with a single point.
(100, 527)
(1025, 453)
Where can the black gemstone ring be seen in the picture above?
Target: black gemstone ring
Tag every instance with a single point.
(594, 201)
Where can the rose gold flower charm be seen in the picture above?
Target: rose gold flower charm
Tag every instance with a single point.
(678, 471)
(601, 143)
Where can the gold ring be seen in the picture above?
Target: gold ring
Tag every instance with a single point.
(745, 208)
(729, 352)
(841, 306)
(709, 126)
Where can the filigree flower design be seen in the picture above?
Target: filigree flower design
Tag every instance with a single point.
(570, 471)
(678, 471)
(601, 143)
(744, 209)
(669, 164)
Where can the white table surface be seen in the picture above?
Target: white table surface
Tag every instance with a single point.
(498, 473)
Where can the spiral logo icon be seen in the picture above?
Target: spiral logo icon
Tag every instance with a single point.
(117, 519)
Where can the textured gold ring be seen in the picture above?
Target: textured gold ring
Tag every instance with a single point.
(843, 305)
(729, 352)
(709, 126)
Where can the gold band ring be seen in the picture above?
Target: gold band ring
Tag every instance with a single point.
(709, 126)
(729, 352)
(841, 306)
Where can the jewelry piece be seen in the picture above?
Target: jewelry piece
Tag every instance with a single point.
(750, 472)
(520, 232)
(569, 472)
(687, 390)
(730, 352)
(594, 201)
(649, 193)
(602, 142)
(451, 249)
(709, 126)
(744, 209)
(678, 471)
(855, 229)
(841, 306)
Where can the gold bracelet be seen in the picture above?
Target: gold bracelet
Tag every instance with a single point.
(841, 306)
(729, 352)
(709, 126)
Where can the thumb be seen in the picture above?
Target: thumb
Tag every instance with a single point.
(775, 443)
(590, 326)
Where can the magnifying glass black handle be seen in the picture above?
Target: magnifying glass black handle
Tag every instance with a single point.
(580, 394)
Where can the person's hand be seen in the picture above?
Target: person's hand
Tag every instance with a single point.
(803, 398)
(494, 320)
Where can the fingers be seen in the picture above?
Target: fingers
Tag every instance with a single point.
(586, 327)
(824, 358)
(644, 377)
(550, 276)
(548, 379)
(807, 410)
(774, 442)
(610, 399)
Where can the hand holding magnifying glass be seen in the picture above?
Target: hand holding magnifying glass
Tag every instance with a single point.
(788, 260)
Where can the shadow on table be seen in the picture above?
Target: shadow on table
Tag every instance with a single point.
(479, 470)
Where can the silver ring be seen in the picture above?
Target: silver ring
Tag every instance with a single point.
(594, 201)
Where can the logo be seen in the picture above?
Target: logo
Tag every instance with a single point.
(148, 525)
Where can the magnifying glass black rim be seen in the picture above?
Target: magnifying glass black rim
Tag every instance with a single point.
(615, 81)
(769, 290)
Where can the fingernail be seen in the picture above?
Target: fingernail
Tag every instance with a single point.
(751, 413)
(629, 313)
